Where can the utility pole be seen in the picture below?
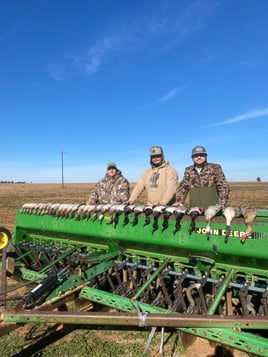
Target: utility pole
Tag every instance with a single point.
(62, 171)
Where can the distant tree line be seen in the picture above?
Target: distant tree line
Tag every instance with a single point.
(12, 181)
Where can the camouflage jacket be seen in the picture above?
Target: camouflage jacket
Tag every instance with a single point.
(208, 187)
(160, 184)
(113, 190)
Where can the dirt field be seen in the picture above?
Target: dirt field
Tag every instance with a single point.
(14, 195)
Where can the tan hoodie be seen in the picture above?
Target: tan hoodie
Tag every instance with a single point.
(160, 184)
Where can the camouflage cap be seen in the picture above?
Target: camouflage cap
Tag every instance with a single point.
(199, 150)
(111, 164)
(156, 150)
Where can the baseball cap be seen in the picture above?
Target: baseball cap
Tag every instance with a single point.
(111, 164)
(199, 150)
(156, 150)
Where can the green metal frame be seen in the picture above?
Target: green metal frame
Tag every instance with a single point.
(231, 337)
(105, 243)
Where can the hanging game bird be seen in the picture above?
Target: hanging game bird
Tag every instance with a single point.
(211, 212)
(157, 211)
(166, 214)
(194, 213)
(148, 210)
(249, 214)
(178, 213)
(104, 208)
(230, 213)
(127, 210)
(117, 210)
(137, 211)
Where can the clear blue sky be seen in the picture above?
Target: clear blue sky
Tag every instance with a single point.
(103, 80)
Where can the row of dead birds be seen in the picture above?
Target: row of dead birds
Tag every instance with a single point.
(84, 211)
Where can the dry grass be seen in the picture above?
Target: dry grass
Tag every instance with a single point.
(249, 194)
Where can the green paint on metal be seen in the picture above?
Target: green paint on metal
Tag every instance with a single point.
(242, 340)
(227, 263)
(75, 281)
(148, 282)
(222, 289)
(30, 275)
(139, 239)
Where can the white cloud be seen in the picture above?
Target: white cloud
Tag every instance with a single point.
(97, 53)
(167, 96)
(249, 64)
(88, 63)
(256, 113)
(169, 25)
(170, 94)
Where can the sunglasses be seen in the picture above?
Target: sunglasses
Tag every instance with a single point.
(156, 156)
(111, 168)
(198, 155)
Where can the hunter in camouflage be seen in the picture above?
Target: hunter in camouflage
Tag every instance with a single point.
(112, 189)
(205, 182)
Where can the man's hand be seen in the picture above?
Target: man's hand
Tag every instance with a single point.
(178, 204)
(158, 203)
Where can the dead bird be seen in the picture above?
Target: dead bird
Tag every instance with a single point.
(178, 213)
(71, 210)
(87, 210)
(119, 210)
(94, 215)
(45, 208)
(148, 210)
(28, 207)
(40, 208)
(194, 213)
(157, 211)
(249, 214)
(111, 214)
(137, 211)
(104, 208)
(230, 213)
(114, 213)
(210, 212)
(127, 210)
(80, 211)
(63, 210)
(168, 212)
(54, 209)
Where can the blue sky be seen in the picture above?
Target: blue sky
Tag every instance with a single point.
(104, 80)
